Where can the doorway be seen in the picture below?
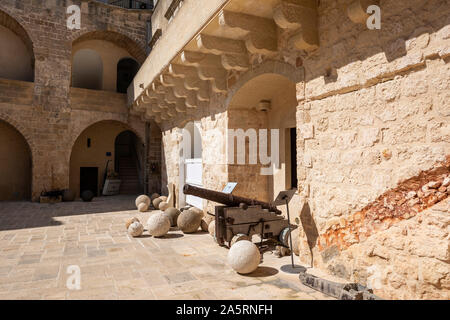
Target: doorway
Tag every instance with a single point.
(191, 166)
(128, 162)
(89, 179)
(126, 70)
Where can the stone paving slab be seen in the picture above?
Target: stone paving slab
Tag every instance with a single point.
(38, 242)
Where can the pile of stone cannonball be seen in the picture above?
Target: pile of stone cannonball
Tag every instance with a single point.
(243, 257)
(165, 217)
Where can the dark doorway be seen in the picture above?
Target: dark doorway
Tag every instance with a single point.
(293, 134)
(89, 179)
(126, 70)
(128, 162)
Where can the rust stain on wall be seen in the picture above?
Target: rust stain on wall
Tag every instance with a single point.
(405, 201)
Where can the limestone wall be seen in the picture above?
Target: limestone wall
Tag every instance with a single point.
(377, 105)
(372, 113)
(47, 112)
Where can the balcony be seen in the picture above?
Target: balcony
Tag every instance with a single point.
(98, 100)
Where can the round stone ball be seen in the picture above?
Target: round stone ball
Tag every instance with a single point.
(142, 199)
(295, 242)
(163, 206)
(156, 202)
(142, 207)
(163, 198)
(136, 229)
(206, 220)
(154, 196)
(129, 222)
(158, 224)
(204, 225)
(212, 228)
(173, 214)
(244, 257)
(87, 195)
(189, 221)
(239, 237)
(197, 211)
(68, 195)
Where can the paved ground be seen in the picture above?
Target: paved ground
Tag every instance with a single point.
(39, 241)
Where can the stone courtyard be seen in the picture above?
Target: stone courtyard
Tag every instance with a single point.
(39, 241)
(144, 97)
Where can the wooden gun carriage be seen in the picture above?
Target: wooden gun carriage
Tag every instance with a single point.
(241, 218)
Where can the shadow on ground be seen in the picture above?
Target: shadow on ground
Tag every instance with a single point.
(261, 272)
(21, 215)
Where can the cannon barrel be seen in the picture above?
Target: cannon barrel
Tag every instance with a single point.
(226, 198)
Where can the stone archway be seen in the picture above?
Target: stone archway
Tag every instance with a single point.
(262, 109)
(121, 40)
(15, 164)
(94, 148)
(16, 53)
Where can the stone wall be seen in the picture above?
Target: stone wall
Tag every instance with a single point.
(48, 112)
(377, 105)
(372, 113)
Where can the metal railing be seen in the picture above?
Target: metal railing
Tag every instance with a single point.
(133, 4)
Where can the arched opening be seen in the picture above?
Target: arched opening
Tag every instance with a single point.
(120, 55)
(87, 70)
(264, 108)
(96, 156)
(16, 51)
(191, 165)
(126, 70)
(128, 162)
(15, 165)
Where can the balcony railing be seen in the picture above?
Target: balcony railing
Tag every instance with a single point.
(133, 4)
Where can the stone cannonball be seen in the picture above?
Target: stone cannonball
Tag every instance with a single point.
(68, 195)
(173, 214)
(129, 222)
(189, 221)
(142, 199)
(204, 225)
(164, 205)
(154, 196)
(87, 195)
(142, 207)
(136, 229)
(158, 224)
(197, 211)
(156, 202)
(206, 220)
(295, 242)
(212, 228)
(244, 257)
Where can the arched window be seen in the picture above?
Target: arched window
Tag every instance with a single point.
(87, 70)
(16, 60)
(126, 70)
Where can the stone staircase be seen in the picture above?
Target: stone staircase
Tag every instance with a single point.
(128, 174)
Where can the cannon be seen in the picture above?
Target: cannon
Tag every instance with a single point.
(227, 198)
(240, 218)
